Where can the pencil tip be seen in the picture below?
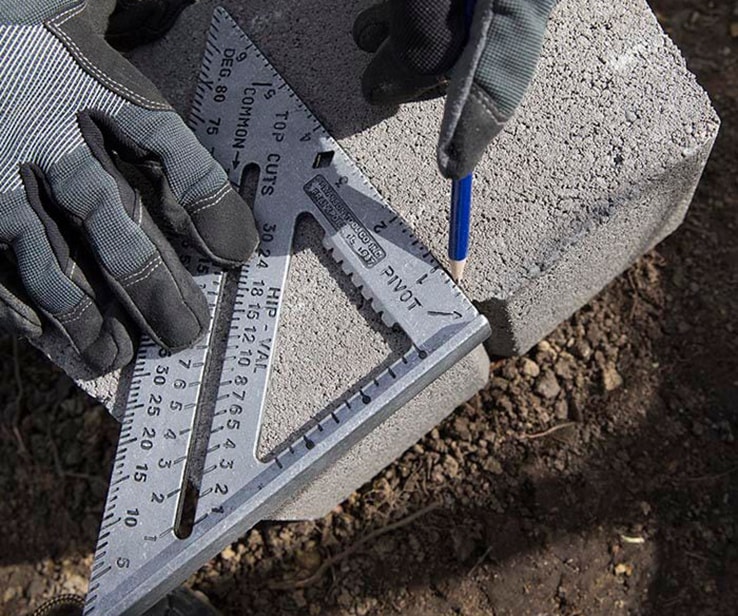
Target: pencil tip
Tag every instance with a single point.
(457, 269)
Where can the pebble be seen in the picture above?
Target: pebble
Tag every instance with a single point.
(309, 558)
(582, 349)
(565, 367)
(461, 427)
(530, 368)
(547, 385)
(561, 409)
(451, 466)
(492, 465)
(505, 404)
(611, 378)
(545, 352)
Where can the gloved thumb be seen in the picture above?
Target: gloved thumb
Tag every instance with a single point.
(490, 78)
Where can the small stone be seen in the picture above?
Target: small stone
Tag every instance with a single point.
(509, 371)
(611, 378)
(229, 554)
(345, 599)
(561, 409)
(36, 588)
(505, 404)
(76, 584)
(530, 368)
(309, 559)
(492, 465)
(499, 383)
(451, 466)
(565, 367)
(544, 352)
(625, 569)
(547, 385)
(461, 427)
(582, 349)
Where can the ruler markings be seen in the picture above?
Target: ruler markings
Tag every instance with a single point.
(243, 106)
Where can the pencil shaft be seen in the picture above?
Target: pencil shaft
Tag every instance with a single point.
(459, 224)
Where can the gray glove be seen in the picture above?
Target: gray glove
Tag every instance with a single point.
(82, 253)
(424, 48)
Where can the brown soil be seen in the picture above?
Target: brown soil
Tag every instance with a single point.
(597, 475)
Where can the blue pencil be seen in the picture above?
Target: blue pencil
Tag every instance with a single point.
(458, 237)
(461, 200)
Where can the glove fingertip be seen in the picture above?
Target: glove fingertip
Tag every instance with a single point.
(167, 304)
(466, 134)
(112, 349)
(226, 227)
(388, 82)
(371, 27)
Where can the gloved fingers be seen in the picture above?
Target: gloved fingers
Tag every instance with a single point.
(371, 27)
(138, 263)
(17, 316)
(490, 78)
(136, 22)
(427, 37)
(196, 198)
(416, 43)
(53, 286)
(389, 82)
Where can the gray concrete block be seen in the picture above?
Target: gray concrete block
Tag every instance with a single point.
(598, 165)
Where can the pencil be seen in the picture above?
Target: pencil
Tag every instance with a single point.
(458, 237)
(461, 198)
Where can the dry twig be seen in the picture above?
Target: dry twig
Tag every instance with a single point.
(725, 473)
(530, 437)
(337, 558)
(480, 560)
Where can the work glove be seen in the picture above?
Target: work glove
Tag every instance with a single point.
(482, 60)
(136, 22)
(82, 254)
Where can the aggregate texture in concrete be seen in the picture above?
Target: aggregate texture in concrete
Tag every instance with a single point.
(599, 164)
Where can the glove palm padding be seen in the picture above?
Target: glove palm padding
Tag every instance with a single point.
(422, 49)
(69, 106)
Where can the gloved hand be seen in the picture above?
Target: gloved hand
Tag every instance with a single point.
(82, 253)
(136, 22)
(424, 49)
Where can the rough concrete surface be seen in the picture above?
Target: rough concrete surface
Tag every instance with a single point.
(598, 165)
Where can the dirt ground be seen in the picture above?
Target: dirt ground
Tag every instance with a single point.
(597, 475)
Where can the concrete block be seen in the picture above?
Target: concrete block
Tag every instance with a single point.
(599, 164)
